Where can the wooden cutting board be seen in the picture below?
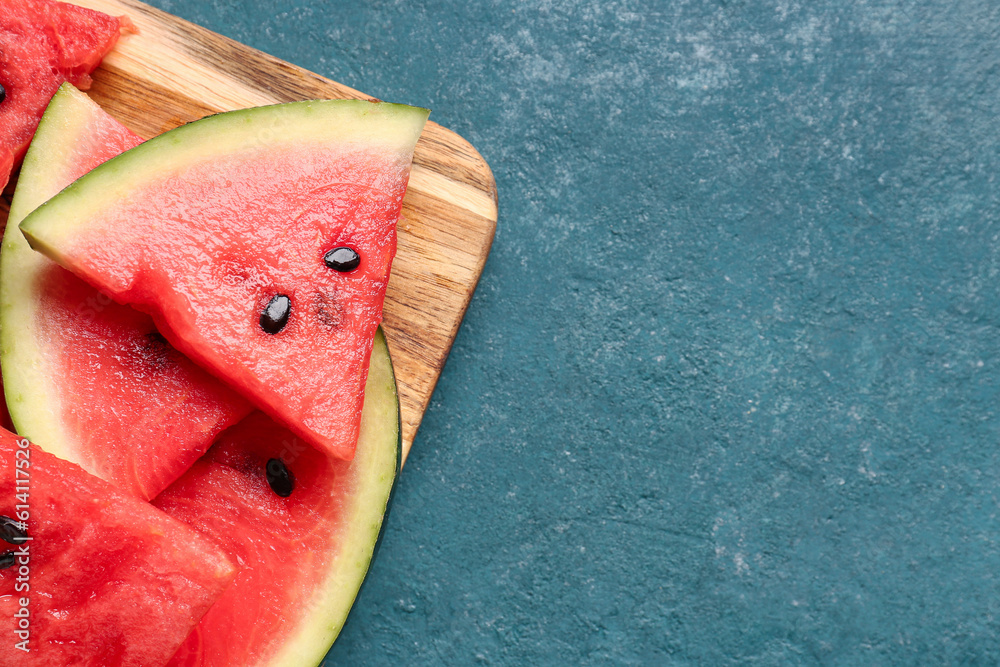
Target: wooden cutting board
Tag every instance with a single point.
(172, 72)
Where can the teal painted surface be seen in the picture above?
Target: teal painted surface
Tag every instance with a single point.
(728, 390)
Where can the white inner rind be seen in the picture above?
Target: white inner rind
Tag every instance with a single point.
(29, 381)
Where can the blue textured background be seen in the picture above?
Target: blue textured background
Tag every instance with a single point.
(728, 390)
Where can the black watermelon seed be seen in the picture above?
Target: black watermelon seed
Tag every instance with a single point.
(154, 350)
(3, 93)
(342, 259)
(156, 338)
(11, 531)
(275, 316)
(280, 478)
(7, 559)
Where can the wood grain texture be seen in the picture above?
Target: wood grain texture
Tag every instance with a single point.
(171, 72)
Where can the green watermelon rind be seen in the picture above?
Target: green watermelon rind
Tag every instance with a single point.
(28, 379)
(381, 443)
(311, 122)
(381, 344)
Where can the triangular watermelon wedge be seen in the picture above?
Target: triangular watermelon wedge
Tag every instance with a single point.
(237, 233)
(103, 578)
(85, 378)
(43, 44)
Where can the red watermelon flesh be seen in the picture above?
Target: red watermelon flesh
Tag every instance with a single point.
(44, 44)
(205, 225)
(303, 556)
(226, 496)
(107, 579)
(88, 379)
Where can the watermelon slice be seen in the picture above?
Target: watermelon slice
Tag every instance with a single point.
(104, 578)
(260, 240)
(43, 44)
(87, 379)
(304, 555)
